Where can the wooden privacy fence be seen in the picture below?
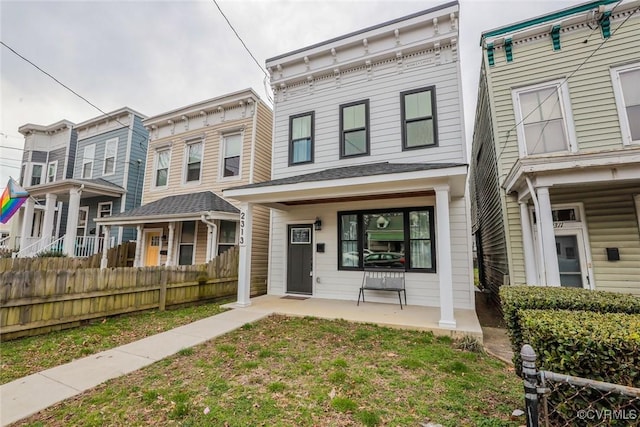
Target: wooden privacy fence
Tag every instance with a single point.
(37, 301)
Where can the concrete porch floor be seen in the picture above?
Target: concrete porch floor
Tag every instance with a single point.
(390, 315)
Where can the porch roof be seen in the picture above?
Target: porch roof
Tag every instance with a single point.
(179, 207)
(90, 188)
(368, 180)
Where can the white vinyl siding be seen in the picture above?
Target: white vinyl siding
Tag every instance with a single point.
(627, 92)
(88, 157)
(110, 154)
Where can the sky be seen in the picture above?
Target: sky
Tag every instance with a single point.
(155, 56)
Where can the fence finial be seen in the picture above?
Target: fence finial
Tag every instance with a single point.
(530, 376)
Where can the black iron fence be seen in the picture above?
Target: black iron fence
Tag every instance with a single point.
(554, 399)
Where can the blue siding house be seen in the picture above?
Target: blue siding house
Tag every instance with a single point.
(103, 173)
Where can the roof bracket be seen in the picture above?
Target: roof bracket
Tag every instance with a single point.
(605, 24)
(555, 37)
(508, 49)
(490, 53)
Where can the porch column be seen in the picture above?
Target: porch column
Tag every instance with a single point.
(172, 230)
(49, 213)
(531, 275)
(244, 265)
(443, 251)
(27, 222)
(136, 259)
(104, 261)
(72, 222)
(549, 254)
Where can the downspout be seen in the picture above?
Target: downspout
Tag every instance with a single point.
(534, 198)
(212, 232)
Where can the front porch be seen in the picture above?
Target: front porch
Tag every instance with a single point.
(389, 315)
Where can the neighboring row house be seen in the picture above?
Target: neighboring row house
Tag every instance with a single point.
(555, 171)
(194, 152)
(369, 167)
(75, 174)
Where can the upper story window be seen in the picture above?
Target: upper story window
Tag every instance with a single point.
(627, 93)
(52, 169)
(418, 109)
(544, 119)
(110, 152)
(105, 209)
(87, 161)
(161, 167)
(301, 138)
(231, 149)
(36, 174)
(354, 129)
(193, 161)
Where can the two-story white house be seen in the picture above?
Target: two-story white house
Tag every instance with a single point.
(555, 173)
(369, 167)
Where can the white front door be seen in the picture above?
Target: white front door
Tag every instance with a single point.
(572, 258)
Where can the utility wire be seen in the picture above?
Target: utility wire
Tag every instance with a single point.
(12, 148)
(70, 90)
(565, 80)
(245, 46)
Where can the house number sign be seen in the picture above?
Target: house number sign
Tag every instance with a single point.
(243, 224)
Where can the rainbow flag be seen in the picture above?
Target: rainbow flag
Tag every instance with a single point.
(12, 198)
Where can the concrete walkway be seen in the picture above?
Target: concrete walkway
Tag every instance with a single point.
(28, 395)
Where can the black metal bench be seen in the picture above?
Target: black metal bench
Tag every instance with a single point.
(383, 280)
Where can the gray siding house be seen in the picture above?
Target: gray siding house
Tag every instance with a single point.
(555, 172)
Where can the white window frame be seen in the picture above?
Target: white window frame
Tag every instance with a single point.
(625, 128)
(223, 137)
(154, 177)
(55, 170)
(565, 106)
(108, 142)
(42, 172)
(99, 213)
(88, 159)
(185, 163)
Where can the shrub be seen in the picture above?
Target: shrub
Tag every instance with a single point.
(598, 346)
(517, 298)
(52, 254)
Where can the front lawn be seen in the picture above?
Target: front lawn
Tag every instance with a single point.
(305, 372)
(27, 356)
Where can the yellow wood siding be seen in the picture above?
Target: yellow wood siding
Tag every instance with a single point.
(264, 126)
(259, 250)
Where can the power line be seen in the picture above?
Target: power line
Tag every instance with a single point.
(12, 148)
(10, 166)
(565, 80)
(69, 89)
(245, 47)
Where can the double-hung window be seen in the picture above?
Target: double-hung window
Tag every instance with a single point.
(88, 155)
(418, 109)
(390, 238)
(161, 175)
(543, 119)
(52, 169)
(110, 152)
(627, 93)
(105, 209)
(231, 146)
(301, 138)
(187, 243)
(36, 174)
(354, 129)
(193, 159)
(227, 238)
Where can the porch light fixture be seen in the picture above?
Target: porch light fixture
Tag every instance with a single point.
(318, 224)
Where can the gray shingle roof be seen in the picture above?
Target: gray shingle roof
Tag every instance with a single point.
(193, 203)
(352, 172)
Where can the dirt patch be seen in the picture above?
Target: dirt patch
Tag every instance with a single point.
(489, 313)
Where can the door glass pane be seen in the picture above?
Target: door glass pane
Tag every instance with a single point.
(569, 261)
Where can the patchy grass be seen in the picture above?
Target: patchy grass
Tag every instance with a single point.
(29, 355)
(305, 372)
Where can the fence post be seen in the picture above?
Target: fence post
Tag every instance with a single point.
(163, 290)
(530, 376)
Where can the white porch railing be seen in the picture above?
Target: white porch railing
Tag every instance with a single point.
(4, 242)
(89, 245)
(85, 246)
(34, 246)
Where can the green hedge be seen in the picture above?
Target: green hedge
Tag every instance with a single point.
(517, 298)
(598, 346)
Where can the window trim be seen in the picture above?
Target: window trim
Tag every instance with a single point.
(407, 240)
(313, 120)
(625, 127)
(42, 172)
(223, 149)
(562, 89)
(99, 211)
(154, 177)
(85, 161)
(433, 117)
(367, 128)
(115, 156)
(185, 163)
(53, 163)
